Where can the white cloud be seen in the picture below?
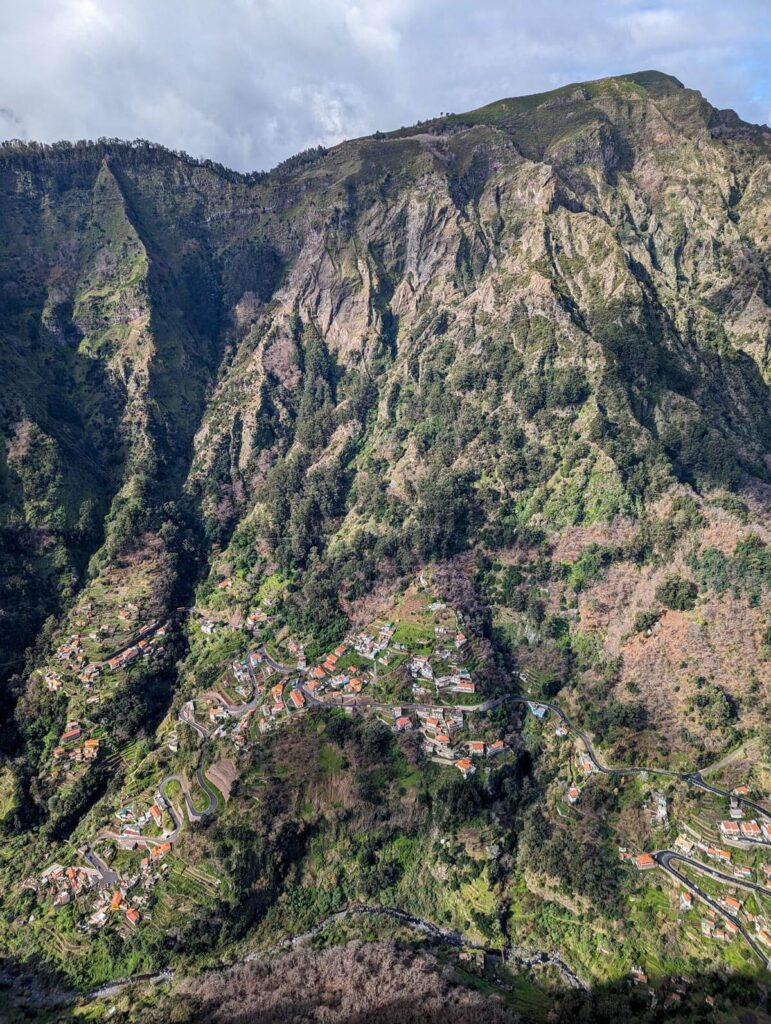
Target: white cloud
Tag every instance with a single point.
(248, 82)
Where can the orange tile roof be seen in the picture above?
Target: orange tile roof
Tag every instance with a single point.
(644, 860)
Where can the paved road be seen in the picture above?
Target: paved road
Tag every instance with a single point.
(694, 778)
(109, 877)
(664, 859)
(192, 813)
(719, 876)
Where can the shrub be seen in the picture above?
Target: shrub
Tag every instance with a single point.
(646, 620)
(677, 593)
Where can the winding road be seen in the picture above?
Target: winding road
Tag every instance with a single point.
(694, 778)
(520, 956)
(664, 859)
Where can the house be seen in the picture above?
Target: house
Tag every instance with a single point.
(297, 699)
(742, 871)
(225, 584)
(160, 850)
(717, 854)
(133, 917)
(53, 681)
(460, 640)
(644, 862)
(573, 794)
(318, 673)
(340, 651)
(587, 765)
(465, 767)
(495, 748)
(684, 844)
(443, 739)
(638, 975)
(90, 749)
(117, 899)
(732, 904)
(476, 748)
(686, 901)
(403, 724)
(750, 830)
(157, 816)
(464, 686)
(131, 655)
(208, 626)
(765, 828)
(354, 686)
(729, 829)
(71, 733)
(741, 791)
(708, 926)
(432, 723)
(765, 937)
(561, 730)
(538, 710)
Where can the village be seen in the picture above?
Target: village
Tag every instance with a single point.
(414, 672)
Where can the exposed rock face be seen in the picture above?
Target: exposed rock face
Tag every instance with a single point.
(562, 301)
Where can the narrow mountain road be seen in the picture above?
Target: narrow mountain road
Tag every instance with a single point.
(694, 778)
(520, 956)
(665, 858)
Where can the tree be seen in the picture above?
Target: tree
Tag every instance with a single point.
(677, 593)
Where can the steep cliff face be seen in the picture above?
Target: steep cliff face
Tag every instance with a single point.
(542, 313)
(524, 350)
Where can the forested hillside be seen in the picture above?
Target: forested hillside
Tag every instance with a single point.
(520, 353)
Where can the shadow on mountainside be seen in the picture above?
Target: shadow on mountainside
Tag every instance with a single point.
(386, 982)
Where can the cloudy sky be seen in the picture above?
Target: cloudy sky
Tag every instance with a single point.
(249, 82)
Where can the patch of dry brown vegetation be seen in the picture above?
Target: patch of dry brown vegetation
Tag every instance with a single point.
(376, 983)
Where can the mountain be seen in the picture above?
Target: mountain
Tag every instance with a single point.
(521, 354)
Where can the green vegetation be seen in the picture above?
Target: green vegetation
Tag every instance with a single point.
(235, 406)
(677, 593)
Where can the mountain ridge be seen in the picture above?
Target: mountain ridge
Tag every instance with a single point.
(522, 352)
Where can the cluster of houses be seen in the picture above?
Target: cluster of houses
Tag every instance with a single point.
(125, 898)
(71, 657)
(721, 931)
(372, 646)
(132, 824)
(70, 654)
(726, 929)
(457, 680)
(63, 884)
(327, 676)
(746, 831)
(71, 748)
(439, 728)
